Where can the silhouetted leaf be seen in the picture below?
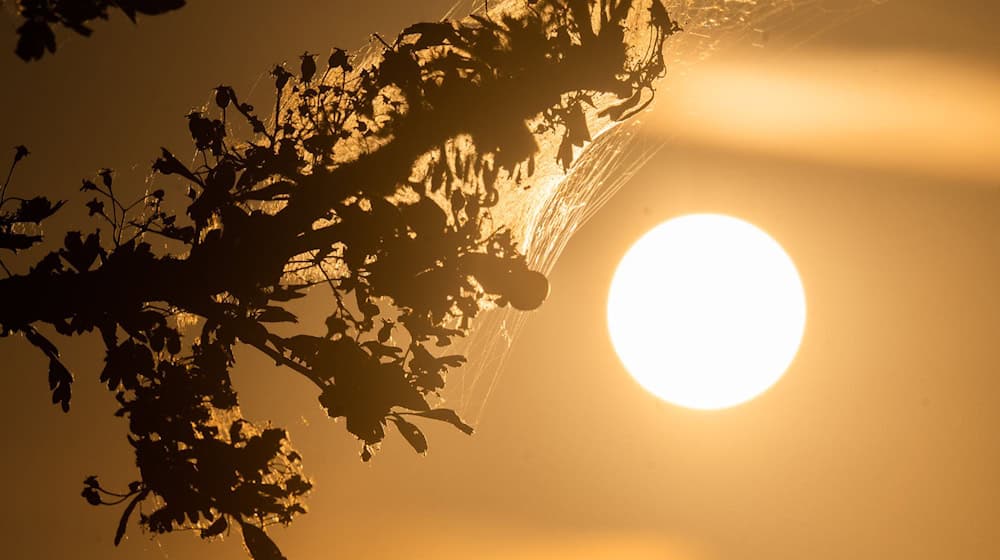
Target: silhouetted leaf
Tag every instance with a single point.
(60, 382)
(258, 544)
(123, 522)
(276, 315)
(35, 35)
(386, 331)
(298, 485)
(36, 209)
(215, 528)
(125, 364)
(18, 241)
(286, 293)
(412, 434)
(432, 33)
(616, 112)
(446, 415)
(154, 7)
(335, 325)
(81, 254)
(42, 343)
(34, 38)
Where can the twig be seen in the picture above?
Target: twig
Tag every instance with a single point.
(10, 173)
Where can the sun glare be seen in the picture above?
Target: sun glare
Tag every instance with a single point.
(706, 311)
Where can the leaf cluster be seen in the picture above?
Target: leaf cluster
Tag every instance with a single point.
(372, 188)
(36, 35)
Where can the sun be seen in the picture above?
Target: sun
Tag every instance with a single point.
(706, 311)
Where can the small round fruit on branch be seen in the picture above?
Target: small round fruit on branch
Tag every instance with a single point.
(527, 289)
(523, 288)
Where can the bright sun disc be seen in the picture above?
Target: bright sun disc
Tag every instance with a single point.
(706, 311)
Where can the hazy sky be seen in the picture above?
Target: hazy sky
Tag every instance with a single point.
(870, 152)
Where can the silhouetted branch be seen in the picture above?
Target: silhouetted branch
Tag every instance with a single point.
(35, 35)
(378, 182)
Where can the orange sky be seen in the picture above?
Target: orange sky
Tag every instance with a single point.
(869, 152)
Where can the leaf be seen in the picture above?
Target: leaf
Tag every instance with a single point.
(36, 209)
(34, 38)
(276, 315)
(81, 254)
(335, 325)
(412, 434)
(127, 7)
(446, 415)
(380, 350)
(40, 342)
(125, 364)
(18, 241)
(49, 265)
(173, 342)
(222, 177)
(457, 200)
(296, 485)
(617, 111)
(60, 382)
(386, 331)
(285, 293)
(453, 360)
(432, 33)
(577, 131)
(123, 522)
(258, 544)
(60, 379)
(565, 153)
(156, 7)
(216, 528)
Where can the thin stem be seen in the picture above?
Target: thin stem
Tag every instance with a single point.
(10, 173)
(381, 40)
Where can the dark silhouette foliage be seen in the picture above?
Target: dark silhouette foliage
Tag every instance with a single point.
(329, 197)
(36, 35)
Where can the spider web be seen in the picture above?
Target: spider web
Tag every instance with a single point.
(557, 202)
(546, 216)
